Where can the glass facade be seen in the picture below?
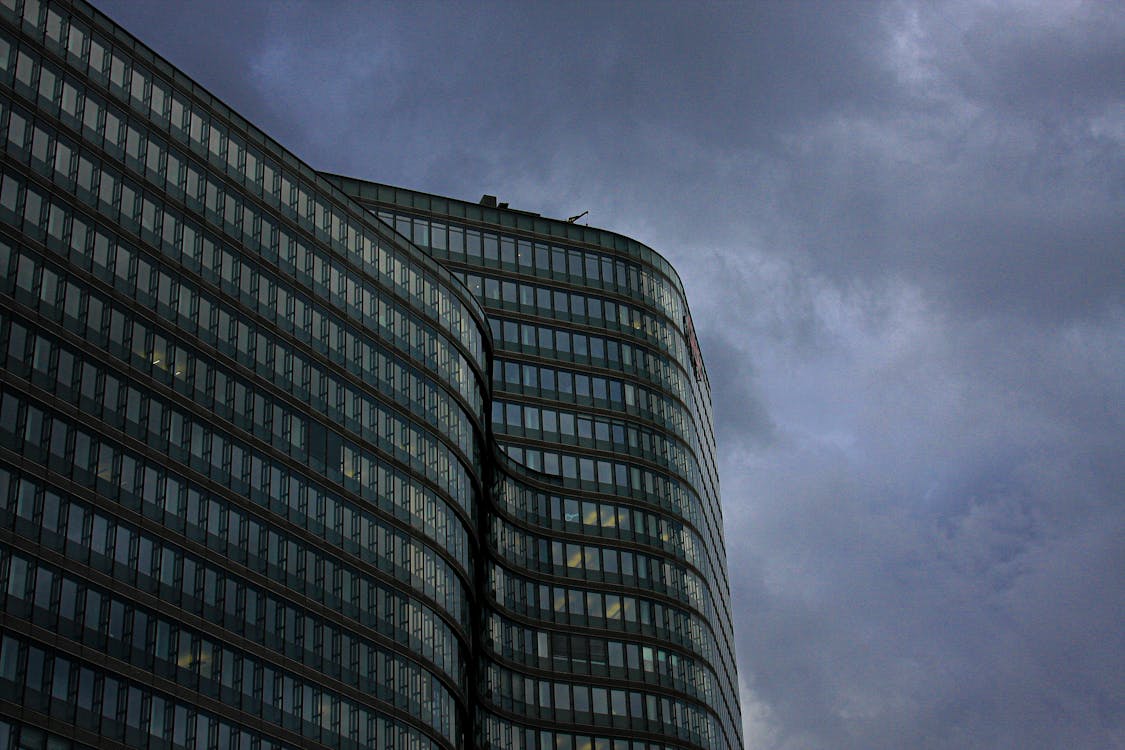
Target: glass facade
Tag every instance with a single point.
(606, 605)
(294, 460)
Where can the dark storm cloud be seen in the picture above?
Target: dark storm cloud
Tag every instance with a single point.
(900, 225)
(210, 43)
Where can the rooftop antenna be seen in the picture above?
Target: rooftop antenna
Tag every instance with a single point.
(573, 219)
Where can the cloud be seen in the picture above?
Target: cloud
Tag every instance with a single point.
(933, 565)
(899, 225)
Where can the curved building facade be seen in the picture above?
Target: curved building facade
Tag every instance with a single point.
(289, 459)
(606, 596)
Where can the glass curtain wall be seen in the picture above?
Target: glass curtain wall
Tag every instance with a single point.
(240, 427)
(290, 460)
(608, 618)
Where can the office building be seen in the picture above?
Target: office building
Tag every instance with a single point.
(606, 493)
(294, 460)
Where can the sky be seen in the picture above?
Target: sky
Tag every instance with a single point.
(901, 227)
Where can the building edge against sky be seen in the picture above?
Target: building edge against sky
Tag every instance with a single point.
(599, 393)
(274, 474)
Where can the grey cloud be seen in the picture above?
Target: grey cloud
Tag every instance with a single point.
(941, 580)
(826, 147)
(750, 424)
(1052, 62)
(900, 227)
(210, 42)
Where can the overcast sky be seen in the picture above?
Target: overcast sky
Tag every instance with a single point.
(902, 230)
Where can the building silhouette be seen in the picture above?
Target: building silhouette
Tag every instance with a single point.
(292, 460)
